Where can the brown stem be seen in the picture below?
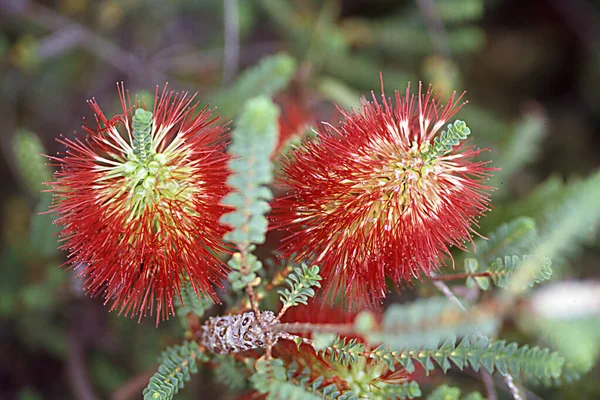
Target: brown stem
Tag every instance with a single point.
(488, 383)
(243, 249)
(282, 311)
(278, 278)
(253, 301)
(307, 327)
(455, 277)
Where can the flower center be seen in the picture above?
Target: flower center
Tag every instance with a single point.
(151, 177)
(398, 186)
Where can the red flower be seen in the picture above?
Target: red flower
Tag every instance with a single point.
(375, 198)
(138, 202)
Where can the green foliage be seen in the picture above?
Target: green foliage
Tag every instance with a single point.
(428, 322)
(459, 10)
(301, 283)
(474, 396)
(404, 34)
(471, 267)
(444, 143)
(503, 269)
(520, 148)
(266, 78)
(245, 267)
(445, 392)
(253, 140)
(230, 373)
(339, 93)
(27, 150)
(142, 138)
(42, 231)
(177, 363)
(271, 378)
(286, 390)
(408, 390)
(317, 386)
(573, 222)
(477, 352)
(342, 351)
(515, 237)
(577, 338)
(192, 302)
(267, 371)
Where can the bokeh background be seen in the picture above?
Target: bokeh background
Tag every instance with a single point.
(531, 69)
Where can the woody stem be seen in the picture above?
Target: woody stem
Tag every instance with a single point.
(454, 277)
(244, 270)
(307, 327)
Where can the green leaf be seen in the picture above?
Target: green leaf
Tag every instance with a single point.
(142, 134)
(43, 232)
(477, 352)
(193, 302)
(271, 378)
(177, 363)
(428, 322)
(515, 237)
(342, 351)
(243, 273)
(445, 392)
(408, 390)
(444, 143)
(253, 140)
(266, 78)
(505, 267)
(301, 283)
(521, 148)
(230, 372)
(318, 386)
(576, 337)
(27, 151)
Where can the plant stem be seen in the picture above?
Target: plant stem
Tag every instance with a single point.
(455, 277)
(308, 327)
(243, 249)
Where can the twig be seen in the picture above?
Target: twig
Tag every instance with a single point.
(455, 277)
(253, 301)
(514, 390)
(59, 42)
(490, 386)
(243, 250)
(231, 51)
(307, 327)
(76, 368)
(442, 287)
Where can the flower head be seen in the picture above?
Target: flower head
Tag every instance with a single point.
(138, 203)
(383, 195)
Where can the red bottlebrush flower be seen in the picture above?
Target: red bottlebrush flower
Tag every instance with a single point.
(375, 198)
(138, 201)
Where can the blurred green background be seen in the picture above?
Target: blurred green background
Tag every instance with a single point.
(531, 70)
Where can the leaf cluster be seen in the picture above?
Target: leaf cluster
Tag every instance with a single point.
(301, 283)
(252, 143)
(449, 138)
(177, 363)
